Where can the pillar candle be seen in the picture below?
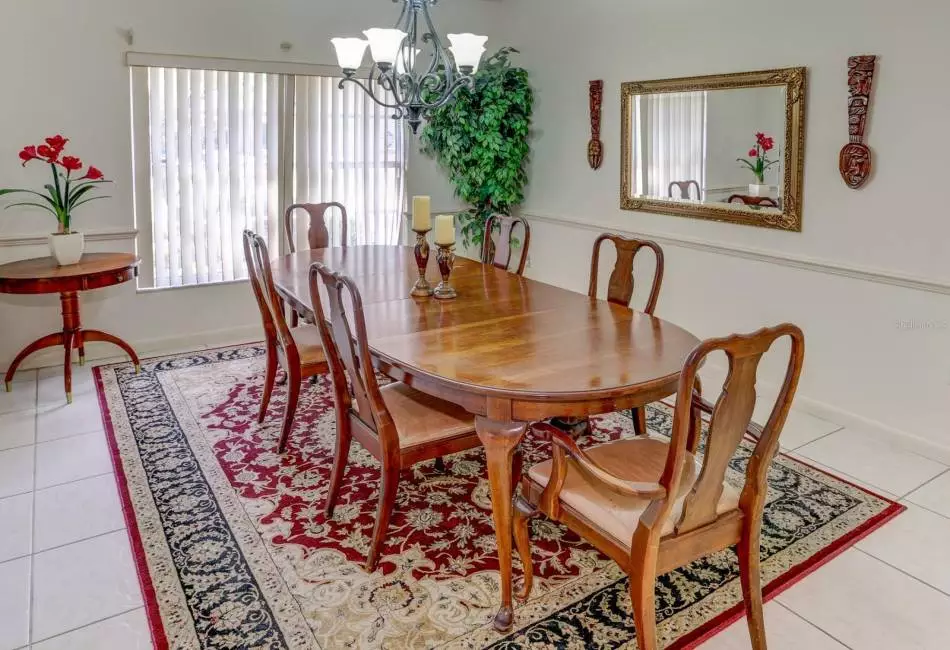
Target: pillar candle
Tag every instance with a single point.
(445, 229)
(421, 213)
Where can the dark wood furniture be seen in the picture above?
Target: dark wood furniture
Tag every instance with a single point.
(298, 351)
(318, 233)
(754, 201)
(620, 292)
(397, 424)
(684, 187)
(855, 160)
(653, 505)
(43, 275)
(498, 252)
(509, 350)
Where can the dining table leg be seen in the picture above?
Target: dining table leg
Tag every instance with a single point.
(500, 440)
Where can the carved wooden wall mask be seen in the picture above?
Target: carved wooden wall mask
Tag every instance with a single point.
(855, 162)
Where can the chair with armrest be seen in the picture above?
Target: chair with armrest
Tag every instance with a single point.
(297, 350)
(397, 424)
(654, 505)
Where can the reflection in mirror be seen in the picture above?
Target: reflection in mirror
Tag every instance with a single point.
(707, 146)
(718, 149)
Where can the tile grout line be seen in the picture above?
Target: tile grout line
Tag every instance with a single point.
(84, 539)
(46, 442)
(814, 625)
(85, 625)
(32, 586)
(927, 482)
(821, 437)
(904, 501)
(900, 570)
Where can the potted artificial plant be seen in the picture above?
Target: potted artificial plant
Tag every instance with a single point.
(758, 163)
(481, 139)
(66, 193)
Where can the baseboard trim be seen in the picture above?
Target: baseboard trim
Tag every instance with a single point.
(902, 439)
(153, 347)
(877, 276)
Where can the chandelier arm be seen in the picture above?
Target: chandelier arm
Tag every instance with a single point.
(367, 90)
(449, 94)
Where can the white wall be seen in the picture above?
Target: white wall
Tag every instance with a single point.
(859, 361)
(64, 72)
(733, 117)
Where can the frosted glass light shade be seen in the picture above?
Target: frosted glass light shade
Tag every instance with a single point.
(404, 58)
(350, 52)
(467, 49)
(384, 44)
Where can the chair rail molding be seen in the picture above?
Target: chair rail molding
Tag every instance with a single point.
(105, 234)
(878, 276)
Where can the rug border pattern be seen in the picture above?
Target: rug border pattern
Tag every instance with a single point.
(687, 642)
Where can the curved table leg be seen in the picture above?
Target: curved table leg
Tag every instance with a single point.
(500, 440)
(48, 341)
(96, 335)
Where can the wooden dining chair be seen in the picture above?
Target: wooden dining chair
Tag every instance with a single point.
(620, 291)
(397, 424)
(754, 201)
(653, 505)
(684, 190)
(318, 233)
(498, 252)
(298, 351)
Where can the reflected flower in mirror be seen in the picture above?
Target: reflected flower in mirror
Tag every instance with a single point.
(758, 160)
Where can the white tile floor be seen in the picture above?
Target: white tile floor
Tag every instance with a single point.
(67, 580)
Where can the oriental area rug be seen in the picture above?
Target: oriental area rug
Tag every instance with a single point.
(233, 549)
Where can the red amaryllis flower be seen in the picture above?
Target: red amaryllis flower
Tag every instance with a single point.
(93, 174)
(759, 137)
(753, 153)
(47, 153)
(57, 143)
(767, 144)
(72, 163)
(28, 154)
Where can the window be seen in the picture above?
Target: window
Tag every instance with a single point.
(218, 151)
(669, 141)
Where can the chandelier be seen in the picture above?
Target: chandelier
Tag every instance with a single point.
(412, 93)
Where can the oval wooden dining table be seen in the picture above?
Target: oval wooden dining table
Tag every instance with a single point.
(508, 349)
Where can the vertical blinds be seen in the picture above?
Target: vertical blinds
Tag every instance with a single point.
(671, 146)
(348, 147)
(216, 146)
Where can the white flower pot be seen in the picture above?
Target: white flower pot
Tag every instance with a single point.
(759, 190)
(67, 249)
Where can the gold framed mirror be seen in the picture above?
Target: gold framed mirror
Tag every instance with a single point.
(728, 147)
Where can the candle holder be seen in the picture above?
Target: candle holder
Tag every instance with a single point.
(422, 289)
(446, 258)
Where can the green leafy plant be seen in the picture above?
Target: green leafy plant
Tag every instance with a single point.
(66, 192)
(481, 140)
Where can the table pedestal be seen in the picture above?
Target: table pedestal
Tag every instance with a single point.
(73, 335)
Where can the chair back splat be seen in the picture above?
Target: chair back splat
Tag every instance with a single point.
(621, 284)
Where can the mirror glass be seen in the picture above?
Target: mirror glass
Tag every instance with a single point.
(710, 146)
(726, 147)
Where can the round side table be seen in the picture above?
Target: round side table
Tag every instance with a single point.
(43, 275)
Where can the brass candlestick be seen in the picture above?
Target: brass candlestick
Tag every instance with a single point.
(422, 289)
(446, 258)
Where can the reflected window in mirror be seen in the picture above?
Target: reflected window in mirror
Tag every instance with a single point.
(724, 147)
